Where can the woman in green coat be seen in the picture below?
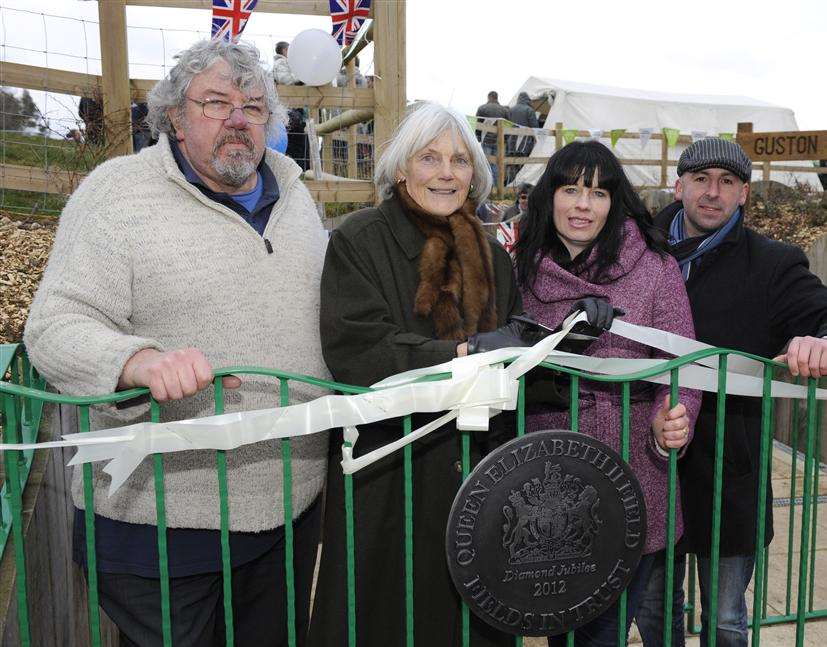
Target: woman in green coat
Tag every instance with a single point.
(411, 283)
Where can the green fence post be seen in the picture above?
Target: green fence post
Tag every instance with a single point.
(26, 381)
(625, 427)
(801, 604)
(161, 517)
(767, 549)
(766, 430)
(409, 565)
(816, 472)
(223, 498)
(671, 507)
(91, 555)
(574, 400)
(466, 470)
(11, 461)
(287, 502)
(574, 417)
(720, 423)
(351, 558)
(794, 433)
(518, 640)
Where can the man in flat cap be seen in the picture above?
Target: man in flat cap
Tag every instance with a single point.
(747, 293)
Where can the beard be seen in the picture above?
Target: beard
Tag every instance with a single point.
(237, 165)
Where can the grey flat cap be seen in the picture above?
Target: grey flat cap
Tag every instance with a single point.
(713, 152)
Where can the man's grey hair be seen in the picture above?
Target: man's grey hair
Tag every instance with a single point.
(420, 127)
(246, 71)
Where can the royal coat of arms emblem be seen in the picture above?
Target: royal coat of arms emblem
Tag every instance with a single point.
(546, 533)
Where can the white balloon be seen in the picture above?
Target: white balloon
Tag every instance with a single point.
(314, 57)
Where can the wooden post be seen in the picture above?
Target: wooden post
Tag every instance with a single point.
(389, 65)
(352, 170)
(558, 136)
(664, 162)
(500, 158)
(117, 102)
(744, 127)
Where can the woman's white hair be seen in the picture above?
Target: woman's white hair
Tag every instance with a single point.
(426, 122)
(245, 68)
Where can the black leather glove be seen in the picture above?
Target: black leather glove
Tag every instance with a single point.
(533, 330)
(508, 336)
(599, 311)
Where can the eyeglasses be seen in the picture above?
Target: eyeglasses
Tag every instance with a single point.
(223, 110)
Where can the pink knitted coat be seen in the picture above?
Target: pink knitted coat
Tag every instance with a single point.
(650, 288)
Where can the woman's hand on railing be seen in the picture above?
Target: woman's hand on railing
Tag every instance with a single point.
(171, 375)
(671, 426)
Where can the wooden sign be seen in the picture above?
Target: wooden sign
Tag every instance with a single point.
(794, 145)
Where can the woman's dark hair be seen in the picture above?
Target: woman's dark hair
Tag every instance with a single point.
(538, 235)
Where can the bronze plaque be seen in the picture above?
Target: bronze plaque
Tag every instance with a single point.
(546, 533)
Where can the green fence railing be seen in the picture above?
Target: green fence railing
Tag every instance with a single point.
(23, 396)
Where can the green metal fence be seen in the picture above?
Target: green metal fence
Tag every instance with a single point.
(23, 396)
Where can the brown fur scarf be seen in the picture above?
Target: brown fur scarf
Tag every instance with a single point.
(456, 271)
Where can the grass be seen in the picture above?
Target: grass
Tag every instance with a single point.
(30, 202)
(43, 152)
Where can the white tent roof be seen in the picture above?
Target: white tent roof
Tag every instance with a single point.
(594, 107)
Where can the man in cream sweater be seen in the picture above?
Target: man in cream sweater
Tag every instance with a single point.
(203, 250)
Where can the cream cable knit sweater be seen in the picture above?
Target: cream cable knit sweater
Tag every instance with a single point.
(142, 259)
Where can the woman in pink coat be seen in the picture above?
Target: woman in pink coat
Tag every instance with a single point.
(588, 235)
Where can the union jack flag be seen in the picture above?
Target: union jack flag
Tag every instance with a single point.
(347, 17)
(507, 235)
(229, 17)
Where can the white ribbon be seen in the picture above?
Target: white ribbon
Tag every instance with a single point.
(478, 389)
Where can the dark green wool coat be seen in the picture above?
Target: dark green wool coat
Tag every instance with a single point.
(369, 331)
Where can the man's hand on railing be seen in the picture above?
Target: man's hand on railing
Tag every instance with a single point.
(172, 375)
(671, 426)
(806, 356)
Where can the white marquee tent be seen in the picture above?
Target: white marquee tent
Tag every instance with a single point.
(593, 107)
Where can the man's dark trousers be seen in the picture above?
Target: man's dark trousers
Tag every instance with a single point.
(258, 591)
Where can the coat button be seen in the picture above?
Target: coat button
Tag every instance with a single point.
(458, 466)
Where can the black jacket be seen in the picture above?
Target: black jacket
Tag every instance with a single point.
(751, 294)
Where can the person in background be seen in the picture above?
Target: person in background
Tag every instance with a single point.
(141, 133)
(90, 110)
(282, 74)
(341, 78)
(520, 205)
(490, 112)
(522, 114)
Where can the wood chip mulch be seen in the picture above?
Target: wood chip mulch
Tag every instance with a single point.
(24, 250)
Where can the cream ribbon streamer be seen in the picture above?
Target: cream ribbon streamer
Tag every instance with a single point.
(479, 388)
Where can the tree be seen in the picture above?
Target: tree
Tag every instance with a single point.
(19, 113)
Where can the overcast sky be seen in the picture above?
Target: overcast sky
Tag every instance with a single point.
(460, 49)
